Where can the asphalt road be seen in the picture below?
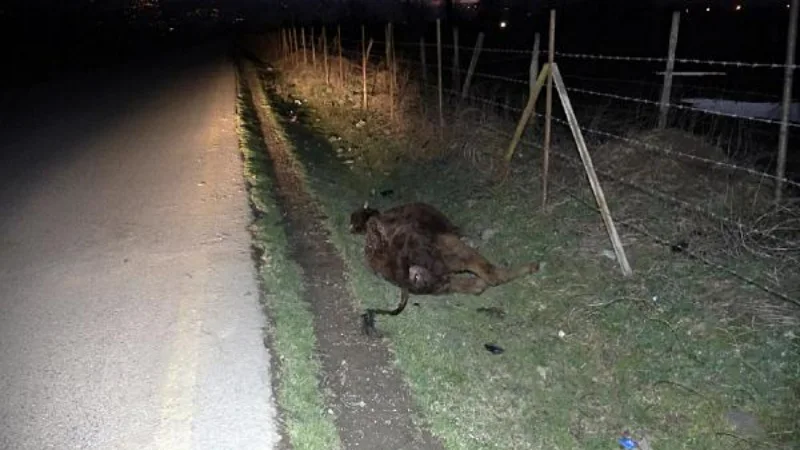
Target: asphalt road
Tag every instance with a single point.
(129, 313)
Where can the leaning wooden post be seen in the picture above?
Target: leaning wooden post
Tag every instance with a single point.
(533, 71)
(439, 59)
(325, 57)
(594, 182)
(783, 137)
(526, 115)
(472, 64)
(666, 91)
(456, 65)
(551, 50)
(341, 61)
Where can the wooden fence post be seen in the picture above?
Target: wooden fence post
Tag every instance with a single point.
(364, 61)
(294, 54)
(783, 137)
(341, 61)
(303, 42)
(551, 49)
(439, 59)
(663, 107)
(325, 57)
(456, 66)
(389, 79)
(422, 61)
(472, 64)
(313, 50)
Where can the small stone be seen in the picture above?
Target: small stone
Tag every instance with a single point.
(488, 234)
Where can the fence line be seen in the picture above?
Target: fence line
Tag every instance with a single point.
(645, 145)
(654, 193)
(653, 59)
(697, 256)
(624, 98)
(683, 107)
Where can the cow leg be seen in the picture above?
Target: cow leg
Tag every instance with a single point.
(368, 318)
(460, 257)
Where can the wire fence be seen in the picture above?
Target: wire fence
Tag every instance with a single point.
(720, 192)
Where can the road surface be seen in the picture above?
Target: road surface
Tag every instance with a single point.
(129, 309)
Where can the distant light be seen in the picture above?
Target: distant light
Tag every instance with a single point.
(708, 9)
(738, 7)
(503, 24)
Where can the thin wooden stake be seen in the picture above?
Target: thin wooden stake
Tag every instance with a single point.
(295, 55)
(389, 65)
(422, 62)
(666, 91)
(783, 136)
(439, 59)
(594, 182)
(456, 66)
(283, 43)
(394, 64)
(551, 49)
(526, 114)
(341, 61)
(313, 50)
(364, 60)
(325, 57)
(303, 42)
(472, 64)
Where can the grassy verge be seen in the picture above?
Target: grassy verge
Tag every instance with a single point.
(291, 334)
(588, 354)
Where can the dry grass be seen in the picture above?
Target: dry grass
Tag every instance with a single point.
(670, 351)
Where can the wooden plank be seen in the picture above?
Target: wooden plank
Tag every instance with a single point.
(594, 182)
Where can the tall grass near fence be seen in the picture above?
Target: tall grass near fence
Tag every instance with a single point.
(686, 177)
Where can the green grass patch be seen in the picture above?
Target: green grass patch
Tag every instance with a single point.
(588, 353)
(291, 334)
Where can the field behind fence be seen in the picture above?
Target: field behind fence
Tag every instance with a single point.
(692, 154)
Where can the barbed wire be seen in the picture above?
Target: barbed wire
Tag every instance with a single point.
(618, 97)
(695, 255)
(678, 106)
(652, 192)
(600, 79)
(659, 85)
(653, 59)
(646, 145)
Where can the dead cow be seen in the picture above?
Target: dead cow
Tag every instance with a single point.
(417, 248)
